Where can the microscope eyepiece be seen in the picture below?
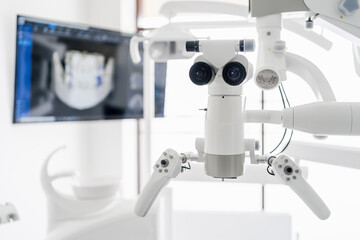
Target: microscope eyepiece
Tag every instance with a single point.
(201, 73)
(234, 73)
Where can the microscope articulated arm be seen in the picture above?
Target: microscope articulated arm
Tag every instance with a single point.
(312, 75)
(263, 116)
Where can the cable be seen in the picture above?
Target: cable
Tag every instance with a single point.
(269, 162)
(285, 131)
(271, 172)
(282, 93)
(282, 139)
(283, 98)
(184, 168)
(292, 131)
(287, 100)
(288, 143)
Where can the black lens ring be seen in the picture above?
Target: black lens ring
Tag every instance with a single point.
(235, 81)
(199, 68)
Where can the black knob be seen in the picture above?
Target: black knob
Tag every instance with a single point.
(288, 170)
(192, 46)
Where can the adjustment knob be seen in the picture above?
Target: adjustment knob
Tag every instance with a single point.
(164, 162)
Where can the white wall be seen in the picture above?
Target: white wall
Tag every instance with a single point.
(23, 148)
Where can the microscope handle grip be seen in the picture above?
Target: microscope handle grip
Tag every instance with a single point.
(150, 193)
(290, 174)
(303, 189)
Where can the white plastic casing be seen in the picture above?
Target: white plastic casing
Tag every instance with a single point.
(224, 126)
(324, 118)
(271, 49)
(299, 185)
(219, 52)
(159, 179)
(224, 142)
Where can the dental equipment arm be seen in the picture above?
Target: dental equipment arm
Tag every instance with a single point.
(290, 174)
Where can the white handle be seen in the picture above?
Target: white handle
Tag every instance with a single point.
(168, 166)
(302, 188)
(150, 193)
(290, 174)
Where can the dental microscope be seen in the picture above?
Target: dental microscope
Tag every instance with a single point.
(224, 69)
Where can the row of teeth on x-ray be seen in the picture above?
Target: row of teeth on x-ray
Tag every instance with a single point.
(86, 80)
(84, 70)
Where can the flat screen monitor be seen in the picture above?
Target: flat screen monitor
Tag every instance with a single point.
(72, 72)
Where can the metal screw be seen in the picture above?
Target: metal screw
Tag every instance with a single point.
(294, 177)
(287, 179)
(171, 157)
(268, 33)
(165, 153)
(160, 170)
(279, 166)
(157, 165)
(297, 171)
(286, 160)
(166, 170)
